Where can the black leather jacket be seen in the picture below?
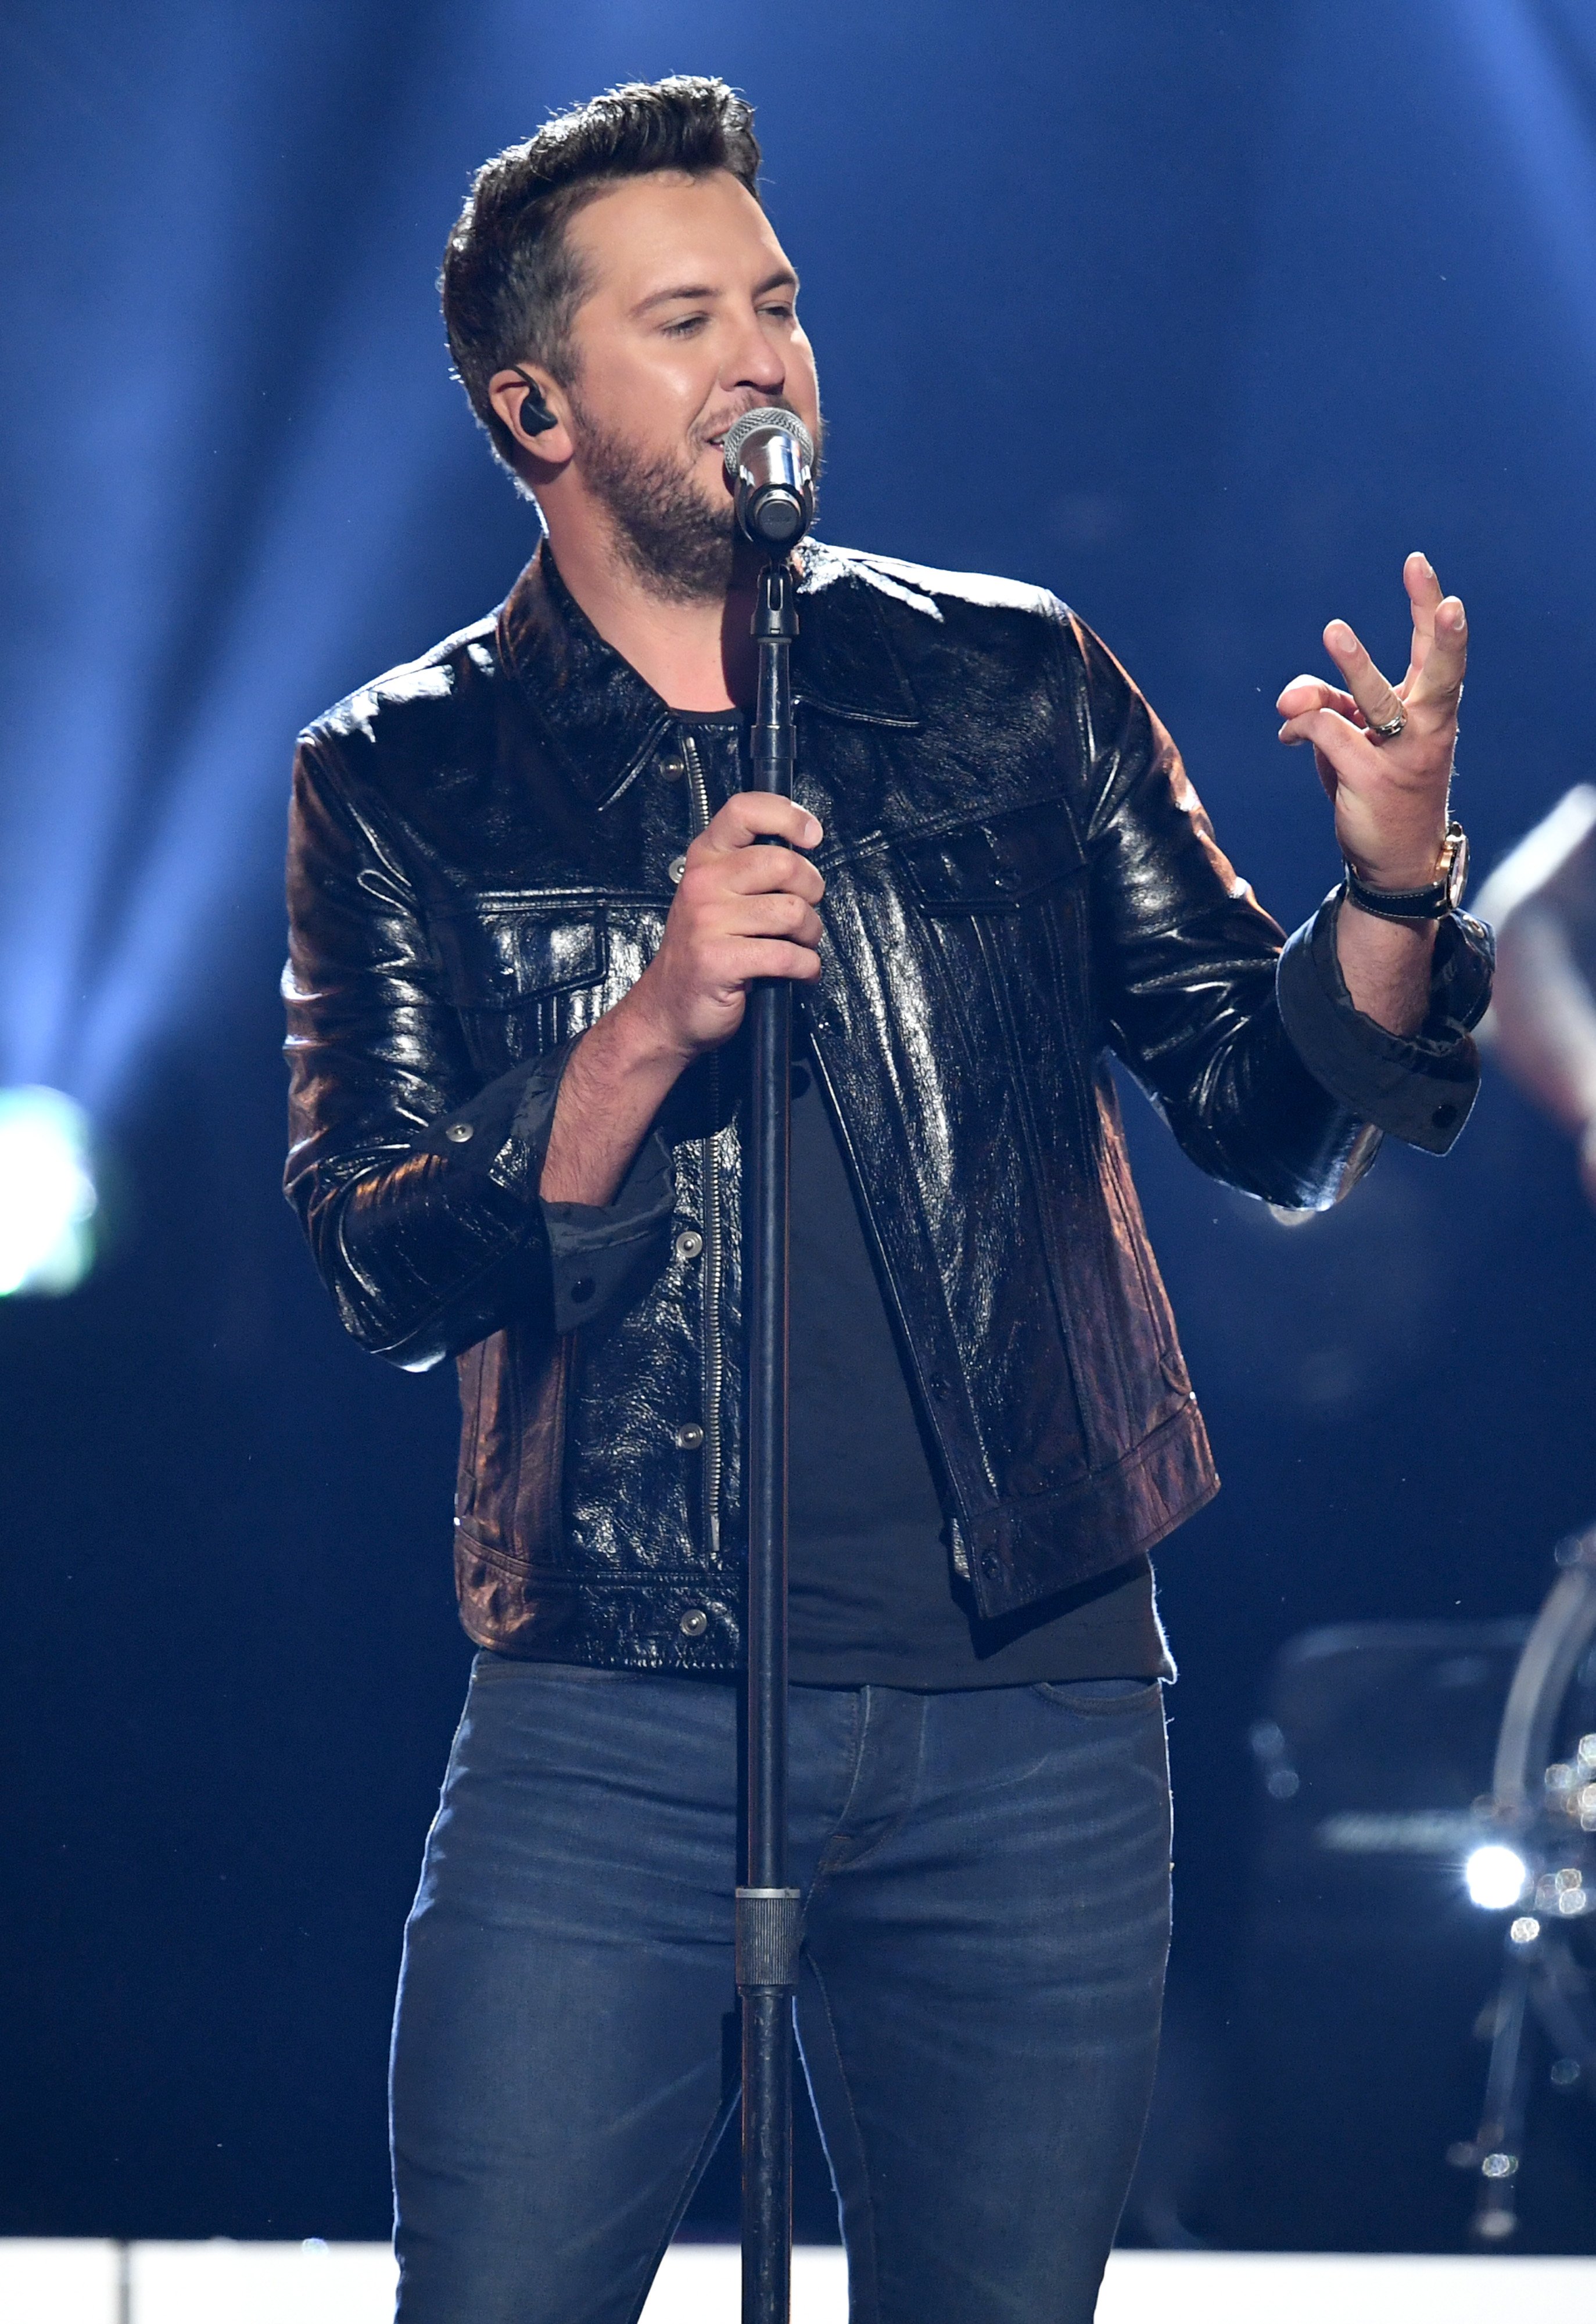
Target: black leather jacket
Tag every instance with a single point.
(1020, 880)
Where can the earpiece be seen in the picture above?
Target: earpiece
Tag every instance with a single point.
(535, 415)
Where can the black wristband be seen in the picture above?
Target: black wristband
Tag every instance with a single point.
(1431, 903)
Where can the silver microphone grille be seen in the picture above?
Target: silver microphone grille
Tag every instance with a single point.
(754, 423)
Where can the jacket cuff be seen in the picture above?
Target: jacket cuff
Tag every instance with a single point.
(602, 1256)
(599, 1257)
(1419, 1087)
(503, 1132)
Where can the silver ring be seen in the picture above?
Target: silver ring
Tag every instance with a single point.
(1390, 730)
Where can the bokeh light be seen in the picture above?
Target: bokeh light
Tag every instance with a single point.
(48, 1197)
(1496, 1877)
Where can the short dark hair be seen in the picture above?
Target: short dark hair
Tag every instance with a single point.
(510, 284)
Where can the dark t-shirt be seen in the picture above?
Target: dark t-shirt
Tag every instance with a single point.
(874, 1597)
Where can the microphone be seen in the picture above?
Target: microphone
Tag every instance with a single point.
(771, 467)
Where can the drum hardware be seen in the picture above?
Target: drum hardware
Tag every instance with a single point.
(1537, 1864)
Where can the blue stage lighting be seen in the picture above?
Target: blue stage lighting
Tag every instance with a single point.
(1496, 1877)
(47, 1198)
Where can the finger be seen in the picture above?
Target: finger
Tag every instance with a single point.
(1306, 694)
(759, 871)
(1301, 730)
(1369, 686)
(748, 816)
(1423, 586)
(784, 916)
(1440, 677)
(1337, 744)
(756, 891)
(1424, 595)
(741, 960)
(737, 917)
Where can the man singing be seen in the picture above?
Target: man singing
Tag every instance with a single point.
(526, 908)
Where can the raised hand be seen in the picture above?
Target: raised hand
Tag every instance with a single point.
(1390, 794)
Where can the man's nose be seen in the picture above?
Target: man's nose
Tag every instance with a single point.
(755, 362)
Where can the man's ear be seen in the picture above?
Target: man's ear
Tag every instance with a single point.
(522, 400)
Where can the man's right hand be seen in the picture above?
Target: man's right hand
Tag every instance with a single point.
(740, 911)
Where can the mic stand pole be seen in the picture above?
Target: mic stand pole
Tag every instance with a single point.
(767, 1908)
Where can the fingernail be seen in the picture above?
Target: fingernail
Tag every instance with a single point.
(811, 831)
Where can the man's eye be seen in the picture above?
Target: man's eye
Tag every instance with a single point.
(782, 310)
(685, 326)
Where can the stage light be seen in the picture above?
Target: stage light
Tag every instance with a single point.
(47, 1198)
(1496, 1877)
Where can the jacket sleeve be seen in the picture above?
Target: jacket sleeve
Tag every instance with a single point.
(1250, 1047)
(417, 1186)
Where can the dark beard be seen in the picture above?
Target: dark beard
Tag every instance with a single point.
(679, 547)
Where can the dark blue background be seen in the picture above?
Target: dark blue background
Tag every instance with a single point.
(1210, 311)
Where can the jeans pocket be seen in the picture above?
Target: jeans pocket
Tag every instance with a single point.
(1097, 1695)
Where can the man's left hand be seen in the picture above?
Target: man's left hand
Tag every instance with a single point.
(1390, 796)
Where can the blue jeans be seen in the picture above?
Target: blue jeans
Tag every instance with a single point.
(986, 1911)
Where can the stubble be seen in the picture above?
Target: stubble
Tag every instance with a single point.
(681, 546)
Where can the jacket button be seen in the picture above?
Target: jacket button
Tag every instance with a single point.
(673, 770)
(583, 1289)
(689, 1243)
(459, 1133)
(690, 1436)
(694, 1622)
(679, 864)
(991, 1564)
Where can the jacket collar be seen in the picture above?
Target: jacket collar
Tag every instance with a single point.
(603, 722)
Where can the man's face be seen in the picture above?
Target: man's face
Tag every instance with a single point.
(690, 321)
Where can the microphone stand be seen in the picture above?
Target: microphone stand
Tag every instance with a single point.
(767, 1908)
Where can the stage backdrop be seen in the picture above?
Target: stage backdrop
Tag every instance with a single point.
(1202, 313)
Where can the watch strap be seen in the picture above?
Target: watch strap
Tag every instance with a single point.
(1431, 903)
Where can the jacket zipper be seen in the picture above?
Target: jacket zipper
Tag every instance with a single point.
(709, 1171)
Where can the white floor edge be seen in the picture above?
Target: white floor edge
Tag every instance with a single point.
(221, 2283)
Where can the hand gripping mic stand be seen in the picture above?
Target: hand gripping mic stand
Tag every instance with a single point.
(775, 502)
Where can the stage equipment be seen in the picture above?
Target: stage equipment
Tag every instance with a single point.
(768, 459)
(771, 464)
(1364, 1962)
(48, 1196)
(1543, 1810)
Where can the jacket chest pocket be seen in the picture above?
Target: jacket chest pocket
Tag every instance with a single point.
(1003, 917)
(998, 865)
(524, 977)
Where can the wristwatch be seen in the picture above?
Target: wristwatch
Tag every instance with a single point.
(1443, 894)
